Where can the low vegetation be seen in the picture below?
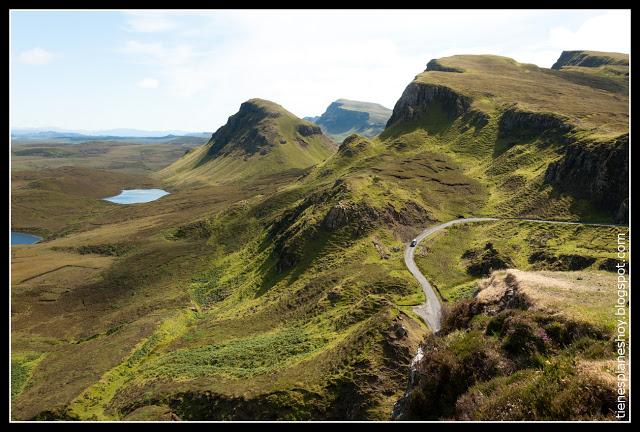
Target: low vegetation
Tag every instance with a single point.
(508, 354)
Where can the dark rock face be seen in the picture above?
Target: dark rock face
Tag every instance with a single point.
(418, 99)
(477, 119)
(612, 265)
(515, 123)
(483, 262)
(598, 172)
(245, 131)
(308, 130)
(563, 262)
(333, 296)
(586, 59)
(366, 216)
(399, 331)
(353, 144)
(339, 215)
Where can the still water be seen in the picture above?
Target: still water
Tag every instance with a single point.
(135, 196)
(20, 238)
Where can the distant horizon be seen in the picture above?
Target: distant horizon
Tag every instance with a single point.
(93, 131)
(145, 69)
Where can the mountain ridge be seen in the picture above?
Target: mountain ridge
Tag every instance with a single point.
(261, 139)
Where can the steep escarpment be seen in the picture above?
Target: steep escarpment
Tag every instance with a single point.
(519, 124)
(598, 172)
(417, 100)
(590, 59)
(261, 140)
(344, 117)
(516, 126)
(249, 130)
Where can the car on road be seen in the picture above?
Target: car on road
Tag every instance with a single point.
(414, 242)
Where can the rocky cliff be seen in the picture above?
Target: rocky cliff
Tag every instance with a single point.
(515, 123)
(590, 59)
(538, 114)
(253, 129)
(598, 172)
(418, 99)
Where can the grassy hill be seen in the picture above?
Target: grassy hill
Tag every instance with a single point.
(345, 117)
(590, 103)
(532, 136)
(261, 140)
(595, 62)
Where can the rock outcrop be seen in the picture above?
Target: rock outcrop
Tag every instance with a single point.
(344, 213)
(308, 129)
(519, 124)
(598, 172)
(590, 59)
(331, 210)
(252, 130)
(484, 261)
(354, 144)
(418, 98)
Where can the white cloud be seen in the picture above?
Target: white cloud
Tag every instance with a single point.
(149, 22)
(159, 53)
(207, 63)
(144, 48)
(610, 31)
(36, 56)
(149, 83)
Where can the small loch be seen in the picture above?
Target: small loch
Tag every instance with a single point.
(20, 238)
(136, 196)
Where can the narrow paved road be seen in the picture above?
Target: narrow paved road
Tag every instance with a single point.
(431, 309)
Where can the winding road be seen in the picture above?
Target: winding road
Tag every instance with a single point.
(431, 309)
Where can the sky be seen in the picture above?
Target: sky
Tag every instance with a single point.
(191, 70)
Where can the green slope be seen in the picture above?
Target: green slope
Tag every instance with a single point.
(261, 140)
(544, 142)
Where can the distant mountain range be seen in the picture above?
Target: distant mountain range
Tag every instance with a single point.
(345, 117)
(58, 133)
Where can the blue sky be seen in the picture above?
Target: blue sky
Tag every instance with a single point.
(190, 70)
